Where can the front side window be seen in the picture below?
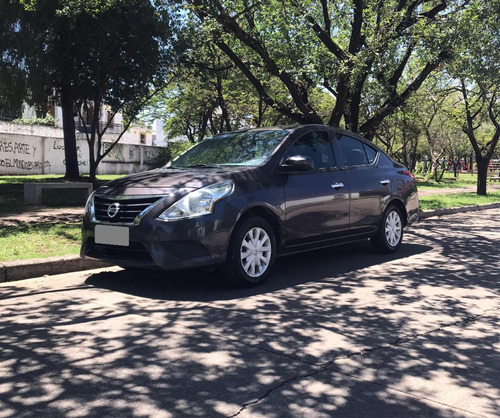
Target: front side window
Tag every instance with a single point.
(250, 148)
(316, 146)
(355, 152)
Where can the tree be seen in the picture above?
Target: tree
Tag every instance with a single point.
(100, 51)
(124, 65)
(372, 56)
(12, 91)
(12, 78)
(478, 81)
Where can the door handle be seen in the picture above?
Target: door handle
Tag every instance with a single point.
(337, 186)
(384, 181)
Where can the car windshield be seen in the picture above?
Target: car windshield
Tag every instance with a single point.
(249, 148)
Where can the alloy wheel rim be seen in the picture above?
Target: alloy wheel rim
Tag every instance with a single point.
(393, 228)
(255, 252)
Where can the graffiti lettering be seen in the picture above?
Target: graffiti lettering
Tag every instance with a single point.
(15, 148)
(58, 146)
(116, 153)
(149, 155)
(6, 146)
(20, 148)
(24, 164)
(83, 163)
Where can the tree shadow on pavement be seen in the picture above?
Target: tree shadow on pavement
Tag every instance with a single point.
(204, 285)
(337, 332)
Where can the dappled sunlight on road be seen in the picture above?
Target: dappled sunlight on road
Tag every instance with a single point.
(341, 331)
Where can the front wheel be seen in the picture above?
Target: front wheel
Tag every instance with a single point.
(389, 236)
(251, 253)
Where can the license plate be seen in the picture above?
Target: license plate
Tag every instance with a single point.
(112, 235)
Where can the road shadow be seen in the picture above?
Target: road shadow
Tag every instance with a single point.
(308, 343)
(204, 285)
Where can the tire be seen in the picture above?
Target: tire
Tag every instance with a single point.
(251, 253)
(389, 235)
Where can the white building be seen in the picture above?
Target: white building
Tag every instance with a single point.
(135, 135)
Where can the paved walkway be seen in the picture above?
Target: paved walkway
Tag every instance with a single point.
(450, 190)
(71, 215)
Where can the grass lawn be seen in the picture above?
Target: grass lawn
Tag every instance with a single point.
(448, 181)
(25, 241)
(456, 200)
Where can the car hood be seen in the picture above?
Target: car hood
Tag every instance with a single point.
(165, 181)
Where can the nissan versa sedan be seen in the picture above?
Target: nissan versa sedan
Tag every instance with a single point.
(240, 199)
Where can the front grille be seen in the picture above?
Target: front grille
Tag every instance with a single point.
(128, 208)
(135, 251)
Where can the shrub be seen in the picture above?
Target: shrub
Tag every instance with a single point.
(48, 120)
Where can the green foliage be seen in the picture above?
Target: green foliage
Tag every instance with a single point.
(48, 120)
(99, 51)
(12, 91)
(370, 56)
(476, 70)
(169, 152)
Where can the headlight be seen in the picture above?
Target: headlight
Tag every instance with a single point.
(89, 206)
(199, 202)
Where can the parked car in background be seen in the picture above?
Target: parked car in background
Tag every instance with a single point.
(242, 198)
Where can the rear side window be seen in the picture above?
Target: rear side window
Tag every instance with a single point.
(370, 153)
(353, 151)
(315, 145)
(384, 161)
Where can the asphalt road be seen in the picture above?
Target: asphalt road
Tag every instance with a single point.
(336, 332)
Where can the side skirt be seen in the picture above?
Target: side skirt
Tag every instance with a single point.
(293, 249)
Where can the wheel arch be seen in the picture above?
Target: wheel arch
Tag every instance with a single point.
(402, 208)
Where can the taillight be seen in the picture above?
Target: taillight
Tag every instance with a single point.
(409, 174)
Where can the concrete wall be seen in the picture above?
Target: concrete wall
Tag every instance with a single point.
(24, 153)
(22, 129)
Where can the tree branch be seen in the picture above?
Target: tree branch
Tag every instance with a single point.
(326, 17)
(326, 39)
(132, 117)
(296, 89)
(357, 23)
(396, 100)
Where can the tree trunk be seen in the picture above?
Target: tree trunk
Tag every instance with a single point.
(482, 174)
(93, 164)
(70, 154)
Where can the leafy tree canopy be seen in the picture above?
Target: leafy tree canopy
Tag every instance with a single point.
(99, 51)
(370, 55)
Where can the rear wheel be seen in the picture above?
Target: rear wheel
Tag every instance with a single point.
(251, 253)
(389, 236)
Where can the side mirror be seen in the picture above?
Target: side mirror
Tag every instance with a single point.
(298, 163)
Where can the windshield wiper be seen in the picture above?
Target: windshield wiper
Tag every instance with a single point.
(202, 166)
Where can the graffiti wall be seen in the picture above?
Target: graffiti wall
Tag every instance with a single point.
(29, 154)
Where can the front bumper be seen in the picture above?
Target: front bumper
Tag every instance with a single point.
(171, 245)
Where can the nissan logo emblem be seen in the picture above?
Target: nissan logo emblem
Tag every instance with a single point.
(113, 209)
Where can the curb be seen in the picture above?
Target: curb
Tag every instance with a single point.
(450, 211)
(26, 269)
